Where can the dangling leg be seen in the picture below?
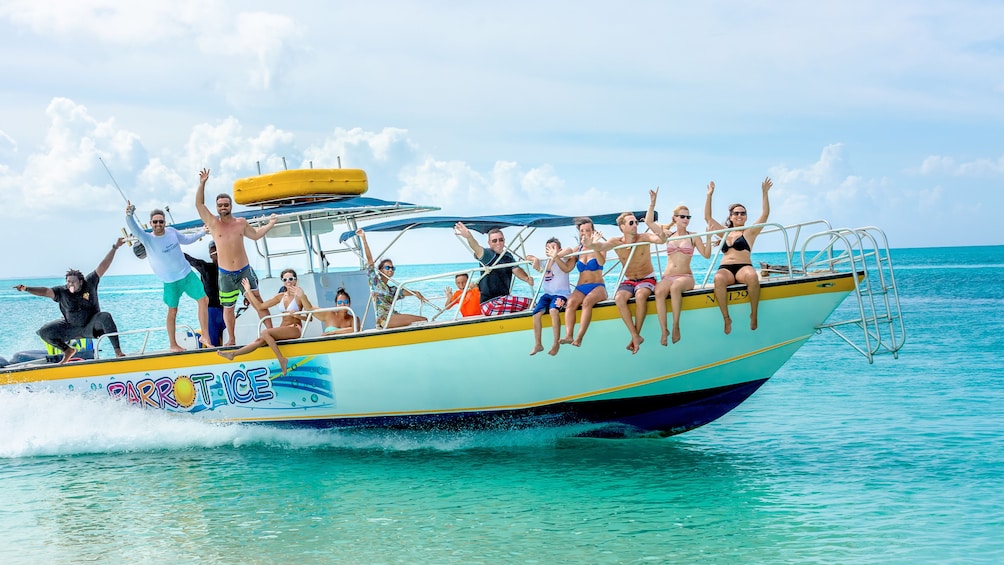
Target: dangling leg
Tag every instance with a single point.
(749, 277)
(723, 278)
(537, 323)
(556, 328)
(596, 295)
(661, 293)
(679, 286)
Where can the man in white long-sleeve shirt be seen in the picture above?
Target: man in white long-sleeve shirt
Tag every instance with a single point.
(163, 248)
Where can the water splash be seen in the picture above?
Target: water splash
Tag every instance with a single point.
(42, 424)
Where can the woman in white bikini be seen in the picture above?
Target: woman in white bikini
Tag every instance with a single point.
(737, 265)
(293, 300)
(678, 277)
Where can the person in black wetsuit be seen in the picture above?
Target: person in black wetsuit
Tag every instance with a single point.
(209, 273)
(78, 302)
(737, 265)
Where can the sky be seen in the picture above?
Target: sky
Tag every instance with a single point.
(887, 114)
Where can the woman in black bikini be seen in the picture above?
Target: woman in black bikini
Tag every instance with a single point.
(736, 265)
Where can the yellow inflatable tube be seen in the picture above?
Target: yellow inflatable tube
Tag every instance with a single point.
(300, 183)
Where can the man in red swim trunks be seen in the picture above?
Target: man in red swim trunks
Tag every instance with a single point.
(639, 275)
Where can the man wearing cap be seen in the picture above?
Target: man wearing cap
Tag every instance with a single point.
(209, 273)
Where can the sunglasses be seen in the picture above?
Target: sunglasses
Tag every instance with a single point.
(631, 222)
(389, 267)
(342, 302)
(684, 216)
(289, 279)
(157, 221)
(738, 213)
(497, 240)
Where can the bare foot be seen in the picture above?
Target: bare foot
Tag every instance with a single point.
(177, 348)
(554, 349)
(752, 322)
(565, 340)
(283, 362)
(230, 343)
(665, 338)
(728, 325)
(119, 354)
(226, 354)
(676, 335)
(68, 354)
(576, 343)
(206, 343)
(537, 349)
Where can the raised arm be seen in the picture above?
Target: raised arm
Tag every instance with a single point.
(654, 226)
(366, 246)
(765, 186)
(107, 261)
(703, 245)
(565, 263)
(465, 233)
(714, 225)
(255, 302)
(200, 198)
(133, 224)
(257, 233)
(305, 303)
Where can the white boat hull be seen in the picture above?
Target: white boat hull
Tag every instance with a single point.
(477, 373)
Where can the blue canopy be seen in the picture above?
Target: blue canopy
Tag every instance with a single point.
(482, 224)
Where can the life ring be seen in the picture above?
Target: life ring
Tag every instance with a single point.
(300, 184)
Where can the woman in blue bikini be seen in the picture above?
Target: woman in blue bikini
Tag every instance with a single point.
(590, 288)
(736, 266)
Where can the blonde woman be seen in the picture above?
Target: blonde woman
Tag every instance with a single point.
(678, 278)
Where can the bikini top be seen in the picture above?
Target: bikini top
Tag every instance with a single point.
(740, 244)
(675, 247)
(592, 265)
(294, 306)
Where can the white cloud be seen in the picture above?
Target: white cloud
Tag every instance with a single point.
(978, 168)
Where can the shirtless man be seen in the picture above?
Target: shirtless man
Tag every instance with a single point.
(229, 232)
(639, 275)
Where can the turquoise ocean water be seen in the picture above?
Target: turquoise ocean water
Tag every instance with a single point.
(833, 460)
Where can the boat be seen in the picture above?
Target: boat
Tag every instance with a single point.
(463, 373)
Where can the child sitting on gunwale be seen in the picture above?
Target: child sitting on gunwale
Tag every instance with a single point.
(555, 290)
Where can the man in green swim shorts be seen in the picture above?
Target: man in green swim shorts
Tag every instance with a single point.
(229, 232)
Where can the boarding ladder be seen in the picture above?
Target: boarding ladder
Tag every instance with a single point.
(865, 252)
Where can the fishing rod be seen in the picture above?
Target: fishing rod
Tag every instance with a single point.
(138, 249)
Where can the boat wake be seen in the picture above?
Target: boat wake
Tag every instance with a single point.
(45, 424)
